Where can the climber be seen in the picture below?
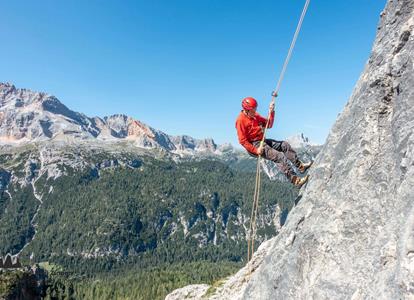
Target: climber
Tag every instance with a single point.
(250, 130)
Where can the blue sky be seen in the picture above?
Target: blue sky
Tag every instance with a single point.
(183, 66)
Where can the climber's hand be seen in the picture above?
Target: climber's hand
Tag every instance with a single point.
(272, 106)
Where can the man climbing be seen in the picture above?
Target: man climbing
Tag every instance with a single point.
(250, 130)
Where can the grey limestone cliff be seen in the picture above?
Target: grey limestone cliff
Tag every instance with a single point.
(352, 234)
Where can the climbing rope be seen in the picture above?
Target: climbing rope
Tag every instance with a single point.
(255, 206)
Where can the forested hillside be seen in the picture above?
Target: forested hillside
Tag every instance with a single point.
(130, 220)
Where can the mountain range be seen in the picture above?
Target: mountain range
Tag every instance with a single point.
(27, 117)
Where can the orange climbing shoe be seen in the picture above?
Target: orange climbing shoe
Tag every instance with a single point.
(299, 181)
(304, 166)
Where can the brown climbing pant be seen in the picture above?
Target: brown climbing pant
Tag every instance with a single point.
(280, 152)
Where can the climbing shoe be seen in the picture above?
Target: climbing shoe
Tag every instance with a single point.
(303, 167)
(299, 181)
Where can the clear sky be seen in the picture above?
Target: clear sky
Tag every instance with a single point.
(183, 66)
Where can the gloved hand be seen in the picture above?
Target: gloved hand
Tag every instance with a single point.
(271, 106)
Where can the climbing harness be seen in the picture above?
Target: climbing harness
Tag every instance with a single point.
(255, 206)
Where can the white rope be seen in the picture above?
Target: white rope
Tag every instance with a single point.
(252, 228)
(292, 45)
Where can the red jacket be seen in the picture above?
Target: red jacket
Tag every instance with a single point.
(250, 129)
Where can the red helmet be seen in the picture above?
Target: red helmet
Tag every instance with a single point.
(249, 103)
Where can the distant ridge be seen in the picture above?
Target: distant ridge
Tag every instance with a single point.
(28, 116)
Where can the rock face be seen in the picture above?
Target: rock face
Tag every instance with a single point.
(191, 291)
(351, 236)
(353, 231)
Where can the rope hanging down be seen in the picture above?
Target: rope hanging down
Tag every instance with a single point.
(255, 206)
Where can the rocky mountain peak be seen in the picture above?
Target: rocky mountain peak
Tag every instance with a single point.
(6, 88)
(300, 141)
(207, 145)
(9, 94)
(137, 128)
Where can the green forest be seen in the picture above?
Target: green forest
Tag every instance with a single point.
(137, 232)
